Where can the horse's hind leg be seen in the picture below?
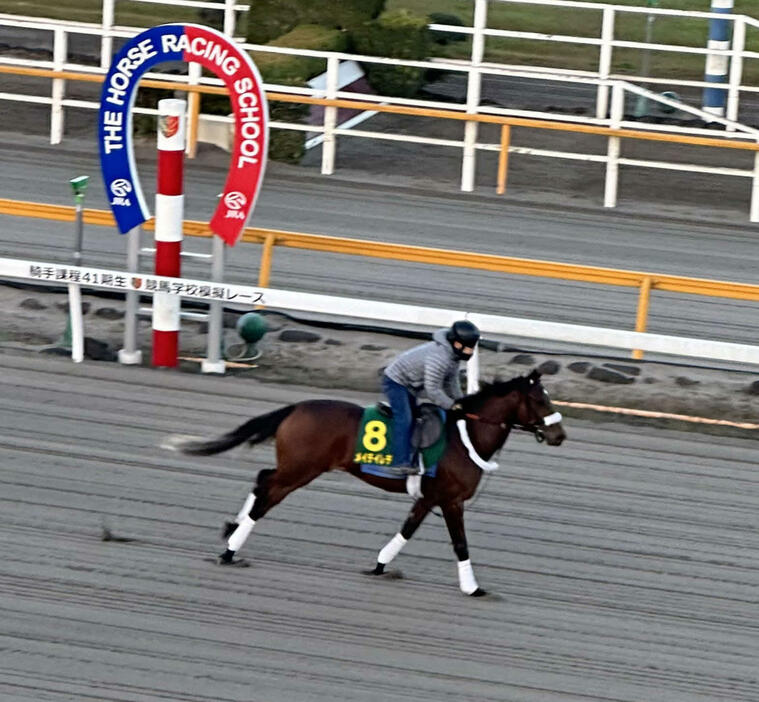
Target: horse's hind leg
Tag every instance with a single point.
(454, 520)
(393, 547)
(229, 527)
(272, 486)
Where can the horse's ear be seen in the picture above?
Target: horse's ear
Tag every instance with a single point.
(534, 376)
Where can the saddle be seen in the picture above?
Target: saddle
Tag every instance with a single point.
(428, 424)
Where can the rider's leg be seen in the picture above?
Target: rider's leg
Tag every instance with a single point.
(401, 403)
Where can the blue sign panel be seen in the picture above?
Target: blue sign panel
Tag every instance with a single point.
(156, 45)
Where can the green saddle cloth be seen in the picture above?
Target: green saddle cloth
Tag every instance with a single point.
(374, 444)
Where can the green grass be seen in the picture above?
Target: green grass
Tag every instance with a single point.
(136, 14)
(677, 31)
(582, 22)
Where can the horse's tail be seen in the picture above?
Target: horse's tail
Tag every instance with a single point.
(253, 431)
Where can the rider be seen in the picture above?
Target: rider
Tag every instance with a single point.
(431, 368)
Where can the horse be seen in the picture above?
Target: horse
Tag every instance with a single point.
(315, 436)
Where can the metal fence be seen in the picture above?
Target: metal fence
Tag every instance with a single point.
(611, 91)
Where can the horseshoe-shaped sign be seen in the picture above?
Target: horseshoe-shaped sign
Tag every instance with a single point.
(217, 53)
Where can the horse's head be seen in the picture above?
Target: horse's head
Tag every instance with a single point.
(537, 414)
(524, 403)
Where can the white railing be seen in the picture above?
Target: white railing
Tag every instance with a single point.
(608, 112)
(230, 8)
(513, 327)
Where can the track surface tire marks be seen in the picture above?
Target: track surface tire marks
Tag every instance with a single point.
(626, 562)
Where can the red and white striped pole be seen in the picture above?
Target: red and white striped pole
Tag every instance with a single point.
(169, 213)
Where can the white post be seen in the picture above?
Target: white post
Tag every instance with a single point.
(754, 216)
(717, 67)
(473, 372)
(330, 117)
(60, 41)
(77, 324)
(736, 70)
(473, 95)
(604, 62)
(106, 41)
(194, 74)
(230, 19)
(130, 355)
(612, 155)
(213, 362)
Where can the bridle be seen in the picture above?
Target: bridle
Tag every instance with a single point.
(534, 428)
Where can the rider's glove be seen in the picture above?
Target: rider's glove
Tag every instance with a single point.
(456, 407)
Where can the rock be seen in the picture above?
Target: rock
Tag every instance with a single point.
(333, 342)
(98, 350)
(580, 367)
(627, 370)
(753, 389)
(684, 382)
(297, 335)
(607, 375)
(523, 359)
(372, 347)
(32, 303)
(108, 313)
(549, 368)
(650, 380)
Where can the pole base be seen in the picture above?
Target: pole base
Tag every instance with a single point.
(130, 358)
(213, 367)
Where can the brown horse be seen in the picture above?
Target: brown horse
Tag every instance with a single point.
(315, 436)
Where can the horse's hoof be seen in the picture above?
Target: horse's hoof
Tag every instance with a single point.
(228, 559)
(379, 569)
(479, 592)
(228, 529)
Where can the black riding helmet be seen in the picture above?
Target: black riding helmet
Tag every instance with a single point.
(466, 334)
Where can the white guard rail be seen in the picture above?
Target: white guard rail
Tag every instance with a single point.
(74, 276)
(609, 109)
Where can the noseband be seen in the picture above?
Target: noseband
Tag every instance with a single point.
(537, 429)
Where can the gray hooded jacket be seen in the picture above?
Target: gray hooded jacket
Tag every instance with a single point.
(431, 369)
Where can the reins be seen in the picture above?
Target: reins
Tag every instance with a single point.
(485, 420)
(533, 429)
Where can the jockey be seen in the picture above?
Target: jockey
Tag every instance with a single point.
(432, 369)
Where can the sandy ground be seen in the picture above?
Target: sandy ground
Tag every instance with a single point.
(292, 352)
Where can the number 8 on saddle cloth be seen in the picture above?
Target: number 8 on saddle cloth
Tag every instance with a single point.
(373, 443)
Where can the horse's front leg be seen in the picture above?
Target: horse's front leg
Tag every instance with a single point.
(393, 547)
(454, 520)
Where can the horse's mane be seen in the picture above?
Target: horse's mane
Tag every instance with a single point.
(498, 388)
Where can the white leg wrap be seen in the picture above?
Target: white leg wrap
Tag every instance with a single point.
(467, 583)
(392, 549)
(245, 511)
(240, 534)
